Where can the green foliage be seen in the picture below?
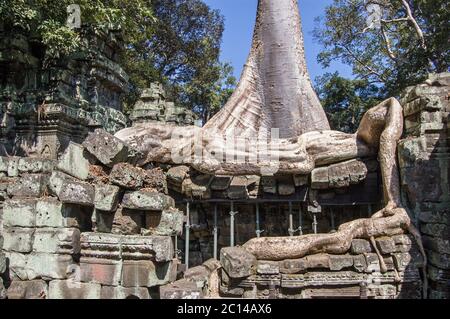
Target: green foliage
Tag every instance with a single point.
(345, 101)
(394, 55)
(176, 42)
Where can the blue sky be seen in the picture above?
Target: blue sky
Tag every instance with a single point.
(240, 17)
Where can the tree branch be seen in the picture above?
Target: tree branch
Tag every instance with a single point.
(415, 24)
(388, 44)
(368, 68)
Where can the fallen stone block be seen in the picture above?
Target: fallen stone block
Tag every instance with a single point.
(33, 289)
(142, 200)
(386, 245)
(156, 180)
(57, 241)
(265, 267)
(158, 248)
(106, 197)
(68, 289)
(28, 185)
(127, 176)
(175, 177)
(51, 266)
(106, 148)
(339, 262)
(35, 165)
(170, 223)
(19, 212)
(100, 271)
(56, 182)
(238, 262)
(181, 289)
(200, 275)
(74, 162)
(50, 212)
(18, 239)
(124, 293)
(77, 193)
(361, 246)
(145, 273)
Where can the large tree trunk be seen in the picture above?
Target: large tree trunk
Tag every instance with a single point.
(275, 90)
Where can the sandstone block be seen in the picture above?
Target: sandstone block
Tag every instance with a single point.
(170, 224)
(103, 221)
(265, 267)
(97, 245)
(386, 245)
(158, 248)
(52, 213)
(67, 289)
(293, 266)
(360, 263)
(57, 241)
(339, 262)
(142, 200)
(373, 263)
(106, 197)
(237, 262)
(56, 181)
(125, 222)
(127, 176)
(77, 193)
(17, 265)
(320, 178)
(18, 239)
(74, 162)
(28, 185)
(100, 271)
(35, 165)
(221, 183)
(181, 289)
(145, 273)
(199, 275)
(361, 246)
(33, 289)
(124, 293)
(19, 212)
(318, 261)
(42, 265)
(106, 148)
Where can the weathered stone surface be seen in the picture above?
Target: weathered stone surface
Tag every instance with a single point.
(73, 162)
(286, 187)
(269, 184)
(155, 179)
(361, 246)
(106, 197)
(293, 266)
(411, 259)
(438, 245)
(101, 271)
(10, 166)
(142, 200)
(106, 148)
(319, 178)
(301, 180)
(158, 248)
(52, 213)
(35, 165)
(124, 293)
(68, 289)
(237, 262)
(33, 289)
(181, 289)
(220, 183)
(145, 273)
(439, 260)
(57, 241)
(339, 262)
(56, 181)
(436, 230)
(28, 185)
(199, 275)
(17, 265)
(18, 239)
(360, 263)
(2, 262)
(373, 263)
(42, 265)
(439, 217)
(127, 176)
(20, 213)
(265, 267)
(77, 193)
(171, 223)
(125, 222)
(318, 261)
(386, 245)
(175, 177)
(97, 245)
(102, 222)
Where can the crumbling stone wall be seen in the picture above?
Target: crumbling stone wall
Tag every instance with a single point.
(425, 172)
(88, 225)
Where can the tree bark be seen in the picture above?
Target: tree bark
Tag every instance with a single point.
(275, 89)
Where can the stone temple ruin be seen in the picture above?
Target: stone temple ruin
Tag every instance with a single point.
(86, 214)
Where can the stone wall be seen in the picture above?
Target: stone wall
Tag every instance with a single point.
(89, 225)
(425, 172)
